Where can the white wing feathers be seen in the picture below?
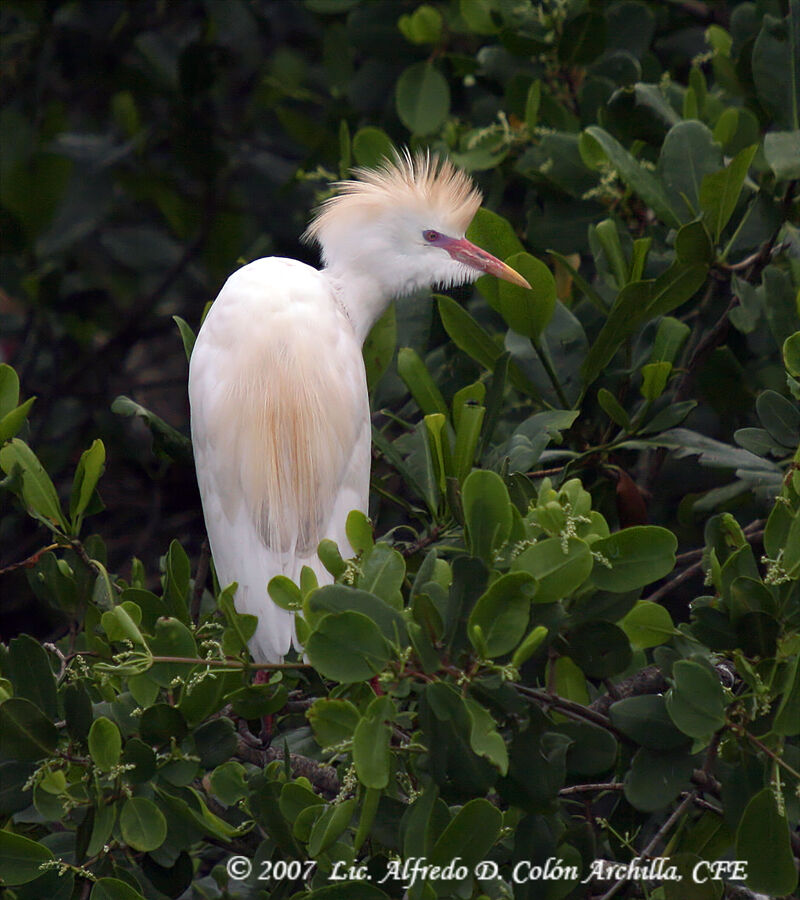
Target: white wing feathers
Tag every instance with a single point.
(280, 427)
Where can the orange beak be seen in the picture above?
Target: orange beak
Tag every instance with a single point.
(466, 252)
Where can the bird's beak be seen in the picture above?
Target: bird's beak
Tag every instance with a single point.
(466, 252)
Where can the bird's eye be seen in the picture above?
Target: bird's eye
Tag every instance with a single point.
(431, 236)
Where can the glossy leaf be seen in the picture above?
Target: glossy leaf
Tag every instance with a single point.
(696, 703)
(502, 614)
(762, 840)
(719, 191)
(422, 98)
(142, 824)
(636, 557)
(347, 647)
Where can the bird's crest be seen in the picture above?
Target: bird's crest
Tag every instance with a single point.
(421, 180)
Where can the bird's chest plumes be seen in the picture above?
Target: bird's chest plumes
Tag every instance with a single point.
(287, 401)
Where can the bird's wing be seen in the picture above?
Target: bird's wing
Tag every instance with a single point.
(279, 410)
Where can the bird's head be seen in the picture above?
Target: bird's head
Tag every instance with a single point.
(403, 225)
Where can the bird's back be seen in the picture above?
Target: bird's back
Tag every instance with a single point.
(280, 427)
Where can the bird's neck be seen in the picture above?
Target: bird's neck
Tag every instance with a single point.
(362, 297)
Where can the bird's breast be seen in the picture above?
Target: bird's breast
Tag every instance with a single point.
(278, 397)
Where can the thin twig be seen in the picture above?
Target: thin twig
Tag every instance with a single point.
(753, 536)
(743, 732)
(233, 664)
(568, 707)
(29, 561)
(687, 801)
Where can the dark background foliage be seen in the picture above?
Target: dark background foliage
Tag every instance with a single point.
(555, 680)
(151, 147)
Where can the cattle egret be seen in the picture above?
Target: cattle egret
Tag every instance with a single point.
(277, 386)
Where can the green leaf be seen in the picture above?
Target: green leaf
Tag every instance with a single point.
(331, 558)
(637, 303)
(187, 335)
(719, 191)
(782, 150)
(567, 680)
(696, 703)
(791, 354)
(494, 234)
(417, 379)
(478, 16)
(528, 311)
(656, 778)
(654, 380)
(27, 665)
(776, 70)
(608, 238)
(532, 103)
(502, 614)
(383, 573)
(762, 840)
(11, 423)
(113, 889)
(9, 389)
(285, 593)
(167, 441)
(422, 97)
(87, 474)
(638, 556)
(484, 738)
(693, 244)
(372, 146)
(142, 824)
(439, 441)
(600, 649)
(597, 145)
(171, 638)
(529, 646)
(670, 337)
(647, 625)
(330, 825)
(423, 26)
(557, 573)
(332, 721)
(379, 347)
(20, 858)
(337, 598)
(119, 624)
(645, 720)
(358, 529)
(780, 417)
(371, 755)
(688, 154)
(487, 512)
(105, 744)
(471, 337)
(470, 834)
(787, 716)
(613, 409)
(468, 432)
(25, 733)
(38, 492)
(347, 647)
(583, 38)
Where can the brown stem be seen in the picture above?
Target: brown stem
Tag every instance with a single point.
(568, 707)
(29, 561)
(687, 801)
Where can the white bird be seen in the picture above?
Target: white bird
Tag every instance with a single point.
(279, 406)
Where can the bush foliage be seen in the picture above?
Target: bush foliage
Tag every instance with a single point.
(516, 667)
